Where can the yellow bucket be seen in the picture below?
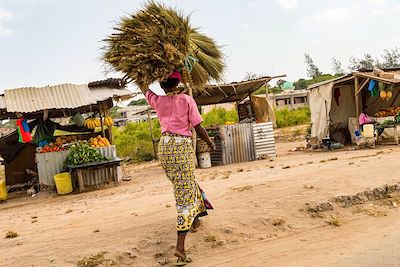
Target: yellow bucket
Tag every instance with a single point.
(3, 189)
(63, 183)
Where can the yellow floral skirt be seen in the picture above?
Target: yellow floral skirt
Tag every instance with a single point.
(177, 158)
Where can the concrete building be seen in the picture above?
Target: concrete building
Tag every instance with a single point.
(292, 99)
(134, 114)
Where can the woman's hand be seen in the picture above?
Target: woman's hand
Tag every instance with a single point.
(212, 146)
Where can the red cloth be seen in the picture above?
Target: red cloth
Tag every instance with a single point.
(24, 135)
(337, 95)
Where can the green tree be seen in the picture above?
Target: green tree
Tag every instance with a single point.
(312, 69)
(367, 62)
(391, 58)
(139, 102)
(337, 66)
(301, 84)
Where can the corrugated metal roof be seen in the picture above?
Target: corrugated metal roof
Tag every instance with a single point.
(31, 99)
(232, 92)
(64, 96)
(103, 93)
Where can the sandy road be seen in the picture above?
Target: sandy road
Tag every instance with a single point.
(134, 222)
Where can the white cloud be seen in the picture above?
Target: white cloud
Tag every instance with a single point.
(5, 16)
(356, 11)
(287, 4)
(331, 15)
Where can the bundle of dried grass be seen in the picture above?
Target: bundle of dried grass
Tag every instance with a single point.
(150, 44)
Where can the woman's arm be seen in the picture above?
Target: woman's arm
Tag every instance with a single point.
(204, 136)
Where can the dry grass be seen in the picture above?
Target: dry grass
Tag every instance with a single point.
(278, 222)
(242, 188)
(210, 238)
(374, 211)
(334, 221)
(97, 260)
(11, 234)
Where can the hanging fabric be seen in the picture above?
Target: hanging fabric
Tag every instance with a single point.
(337, 95)
(372, 87)
(24, 135)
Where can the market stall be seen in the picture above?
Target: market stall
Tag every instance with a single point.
(60, 126)
(337, 104)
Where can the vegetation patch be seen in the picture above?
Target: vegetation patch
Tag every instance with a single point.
(286, 117)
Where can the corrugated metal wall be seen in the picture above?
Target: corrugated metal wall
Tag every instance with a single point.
(49, 164)
(264, 140)
(237, 143)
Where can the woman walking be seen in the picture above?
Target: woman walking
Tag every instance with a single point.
(177, 114)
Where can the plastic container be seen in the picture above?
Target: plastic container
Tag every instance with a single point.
(204, 160)
(3, 190)
(63, 183)
(78, 119)
(368, 130)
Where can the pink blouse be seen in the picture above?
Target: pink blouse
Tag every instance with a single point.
(177, 113)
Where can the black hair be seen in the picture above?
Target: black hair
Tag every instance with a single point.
(169, 83)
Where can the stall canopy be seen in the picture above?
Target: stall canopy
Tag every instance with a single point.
(335, 102)
(231, 92)
(60, 99)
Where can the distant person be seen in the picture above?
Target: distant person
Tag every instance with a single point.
(177, 113)
(364, 118)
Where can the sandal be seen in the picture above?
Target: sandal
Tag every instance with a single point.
(183, 261)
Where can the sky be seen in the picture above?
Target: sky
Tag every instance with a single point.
(46, 42)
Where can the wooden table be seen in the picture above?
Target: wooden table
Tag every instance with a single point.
(85, 170)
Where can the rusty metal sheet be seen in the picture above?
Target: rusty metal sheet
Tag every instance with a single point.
(237, 143)
(264, 140)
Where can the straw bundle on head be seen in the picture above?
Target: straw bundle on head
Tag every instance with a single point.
(152, 43)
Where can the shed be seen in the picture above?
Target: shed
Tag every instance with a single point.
(336, 104)
(253, 137)
(56, 101)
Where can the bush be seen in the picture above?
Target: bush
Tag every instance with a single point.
(220, 116)
(134, 140)
(286, 118)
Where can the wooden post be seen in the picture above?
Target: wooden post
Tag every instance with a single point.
(102, 123)
(151, 133)
(357, 98)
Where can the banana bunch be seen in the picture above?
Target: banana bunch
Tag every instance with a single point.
(108, 121)
(92, 123)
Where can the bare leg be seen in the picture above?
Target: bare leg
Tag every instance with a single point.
(180, 246)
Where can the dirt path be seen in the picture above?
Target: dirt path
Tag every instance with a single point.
(260, 217)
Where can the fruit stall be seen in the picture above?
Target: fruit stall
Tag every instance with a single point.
(336, 106)
(71, 131)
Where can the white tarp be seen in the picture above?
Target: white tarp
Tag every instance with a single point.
(320, 107)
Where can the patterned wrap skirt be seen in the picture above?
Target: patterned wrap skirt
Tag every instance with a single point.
(177, 158)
